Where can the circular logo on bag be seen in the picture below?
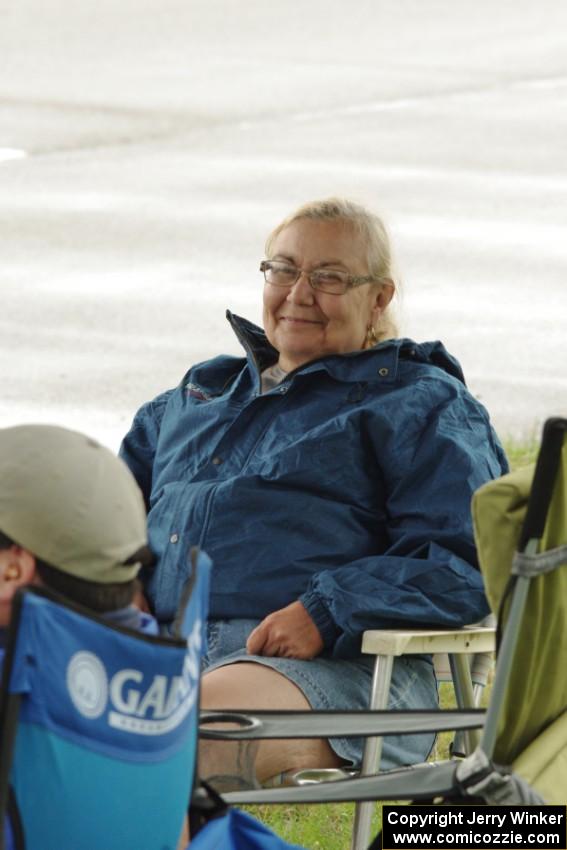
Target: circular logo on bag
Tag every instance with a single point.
(87, 684)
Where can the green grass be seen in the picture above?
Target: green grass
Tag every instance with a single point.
(328, 827)
(521, 453)
(324, 827)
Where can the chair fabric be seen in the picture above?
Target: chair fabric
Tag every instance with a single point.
(544, 760)
(498, 515)
(102, 722)
(499, 509)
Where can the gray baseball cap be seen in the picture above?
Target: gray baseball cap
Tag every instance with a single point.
(72, 503)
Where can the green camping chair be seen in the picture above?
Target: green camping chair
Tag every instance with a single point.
(525, 513)
(521, 527)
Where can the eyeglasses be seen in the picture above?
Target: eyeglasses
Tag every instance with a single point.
(332, 281)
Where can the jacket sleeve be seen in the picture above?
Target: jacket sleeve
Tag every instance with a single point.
(138, 447)
(428, 575)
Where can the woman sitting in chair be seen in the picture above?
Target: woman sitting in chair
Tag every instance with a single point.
(329, 474)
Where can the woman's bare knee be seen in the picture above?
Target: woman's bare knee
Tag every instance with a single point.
(250, 686)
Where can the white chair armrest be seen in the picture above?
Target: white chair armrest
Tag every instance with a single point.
(469, 639)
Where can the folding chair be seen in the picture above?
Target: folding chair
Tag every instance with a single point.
(525, 729)
(457, 646)
(98, 725)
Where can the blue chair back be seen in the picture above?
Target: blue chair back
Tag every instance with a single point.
(99, 725)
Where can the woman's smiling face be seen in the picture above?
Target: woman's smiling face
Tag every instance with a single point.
(304, 324)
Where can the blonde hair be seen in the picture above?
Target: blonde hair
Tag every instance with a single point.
(370, 228)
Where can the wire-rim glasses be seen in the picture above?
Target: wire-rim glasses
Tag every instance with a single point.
(332, 281)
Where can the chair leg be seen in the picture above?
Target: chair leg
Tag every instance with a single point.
(478, 691)
(373, 749)
(461, 670)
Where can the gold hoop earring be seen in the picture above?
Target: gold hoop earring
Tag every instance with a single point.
(12, 571)
(371, 337)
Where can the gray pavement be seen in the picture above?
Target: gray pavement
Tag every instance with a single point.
(147, 148)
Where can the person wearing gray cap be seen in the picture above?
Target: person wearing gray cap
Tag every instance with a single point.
(73, 518)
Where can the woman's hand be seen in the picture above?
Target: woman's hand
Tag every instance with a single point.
(287, 633)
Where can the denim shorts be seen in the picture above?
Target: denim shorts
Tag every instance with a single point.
(342, 684)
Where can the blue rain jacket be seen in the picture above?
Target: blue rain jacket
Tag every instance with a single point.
(347, 486)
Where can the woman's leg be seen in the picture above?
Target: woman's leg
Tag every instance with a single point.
(250, 686)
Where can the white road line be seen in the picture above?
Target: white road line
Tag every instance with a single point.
(426, 98)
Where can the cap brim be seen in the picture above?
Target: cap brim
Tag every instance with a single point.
(143, 556)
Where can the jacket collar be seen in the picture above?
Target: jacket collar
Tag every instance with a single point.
(378, 363)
